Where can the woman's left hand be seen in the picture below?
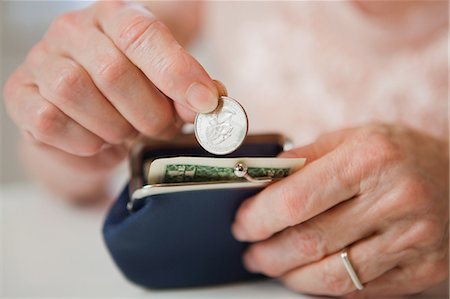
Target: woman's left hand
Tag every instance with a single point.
(382, 191)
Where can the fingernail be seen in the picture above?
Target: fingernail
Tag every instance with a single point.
(238, 233)
(201, 98)
(249, 263)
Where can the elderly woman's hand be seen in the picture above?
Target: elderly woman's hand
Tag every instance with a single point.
(98, 77)
(102, 74)
(382, 191)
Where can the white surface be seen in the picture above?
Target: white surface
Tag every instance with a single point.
(51, 249)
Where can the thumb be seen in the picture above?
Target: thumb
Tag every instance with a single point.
(187, 114)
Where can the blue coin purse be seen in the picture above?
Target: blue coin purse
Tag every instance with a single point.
(180, 239)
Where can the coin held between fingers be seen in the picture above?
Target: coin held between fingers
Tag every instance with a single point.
(223, 130)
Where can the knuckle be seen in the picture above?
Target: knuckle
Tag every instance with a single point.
(13, 92)
(427, 233)
(143, 34)
(37, 53)
(379, 147)
(308, 242)
(9, 89)
(48, 122)
(417, 190)
(344, 176)
(70, 79)
(65, 22)
(174, 62)
(181, 61)
(15, 83)
(412, 196)
(112, 68)
(141, 29)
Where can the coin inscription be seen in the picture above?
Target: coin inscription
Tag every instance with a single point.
(223, 130)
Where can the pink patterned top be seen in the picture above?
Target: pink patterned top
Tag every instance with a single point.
(304, 68)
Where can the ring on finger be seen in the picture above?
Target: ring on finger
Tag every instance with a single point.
(351, 272)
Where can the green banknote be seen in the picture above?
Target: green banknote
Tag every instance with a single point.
(179, 173)
(199, 169)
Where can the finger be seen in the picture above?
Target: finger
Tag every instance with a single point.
(329, 276)
(46, 123)
(319, 186)
(98, 165)
(409, 280)
(323, 145)
(391, 284)
(67, 85)
(148, 43)
(91, 172)
(187, 114)
(310, 152)
(312, 240)
(122, 83)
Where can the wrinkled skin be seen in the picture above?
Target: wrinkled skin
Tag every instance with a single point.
(99, 77)
(102, 75)
(381, 190)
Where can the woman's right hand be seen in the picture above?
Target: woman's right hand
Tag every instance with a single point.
(102, 75)
(98, 78)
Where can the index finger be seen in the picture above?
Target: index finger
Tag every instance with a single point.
(149, 44)
(319, 186)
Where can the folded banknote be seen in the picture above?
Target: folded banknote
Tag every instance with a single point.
(190, 170)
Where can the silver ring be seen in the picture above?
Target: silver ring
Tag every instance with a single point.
(351, 272)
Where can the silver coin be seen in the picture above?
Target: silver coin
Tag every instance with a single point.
(223, 130)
